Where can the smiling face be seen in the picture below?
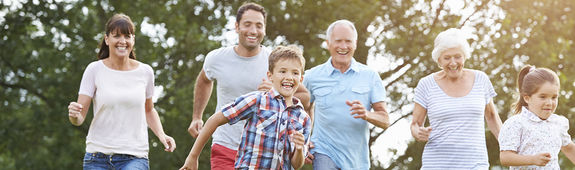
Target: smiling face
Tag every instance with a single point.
(286, 77)
(251, 29)
(120, 45)
(342, 44)
(543, 102)
(451, 61)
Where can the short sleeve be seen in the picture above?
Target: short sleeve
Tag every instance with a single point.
(488, 87)
(150, 82)
(88, 83)
(209, 65)
(378, 93)
(510, 135)
(421, 93)
(243, 107)
(305, 83)
(565, 137)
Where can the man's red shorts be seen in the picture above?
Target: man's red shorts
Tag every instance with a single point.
(222, 158)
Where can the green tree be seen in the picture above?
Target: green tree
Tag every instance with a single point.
(46, 46)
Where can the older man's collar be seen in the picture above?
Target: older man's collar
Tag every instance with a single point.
(354, 66)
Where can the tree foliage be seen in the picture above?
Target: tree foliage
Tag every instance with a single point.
(46, 46)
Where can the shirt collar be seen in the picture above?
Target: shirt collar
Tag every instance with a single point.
(276, 95)
(532, 116)
(354, 66)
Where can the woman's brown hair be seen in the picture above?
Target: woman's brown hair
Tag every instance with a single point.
(120, 24)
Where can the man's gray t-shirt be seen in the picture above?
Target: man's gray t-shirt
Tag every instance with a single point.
(235, 76)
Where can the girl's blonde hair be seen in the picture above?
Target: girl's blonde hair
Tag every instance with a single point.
(530, 80)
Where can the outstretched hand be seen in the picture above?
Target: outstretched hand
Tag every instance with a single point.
(357, 109)
(75, 110)
(169, 143)
(190, 164)
(195, 127)
(265, 85)
(309, 158)
(541, 159)
(422, 133)
(298, 140)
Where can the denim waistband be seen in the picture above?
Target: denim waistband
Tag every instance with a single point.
(103, 155)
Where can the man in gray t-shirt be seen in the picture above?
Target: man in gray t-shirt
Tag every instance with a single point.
(238, 70)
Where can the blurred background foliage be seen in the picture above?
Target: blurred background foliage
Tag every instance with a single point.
(45, 46)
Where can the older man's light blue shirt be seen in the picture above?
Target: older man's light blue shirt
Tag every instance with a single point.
(336, 133)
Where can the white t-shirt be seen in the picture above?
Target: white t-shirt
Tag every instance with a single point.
(527, 134)
(235, 75)
(119, 124)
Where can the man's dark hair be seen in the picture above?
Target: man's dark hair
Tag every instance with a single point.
(247, 6)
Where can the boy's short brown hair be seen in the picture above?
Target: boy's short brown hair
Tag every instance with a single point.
(286, 52)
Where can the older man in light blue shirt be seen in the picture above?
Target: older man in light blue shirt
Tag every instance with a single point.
(343, 93)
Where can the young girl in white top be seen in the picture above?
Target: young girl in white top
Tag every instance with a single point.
(121, 88)
(533, 138)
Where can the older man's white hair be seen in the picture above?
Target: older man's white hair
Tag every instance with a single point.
(343, 21)
(451, 38)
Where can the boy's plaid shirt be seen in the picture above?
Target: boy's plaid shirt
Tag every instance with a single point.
(266, 138)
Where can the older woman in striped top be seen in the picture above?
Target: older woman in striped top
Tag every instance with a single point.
(456, 100)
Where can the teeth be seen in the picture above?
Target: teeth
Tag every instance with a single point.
(252, 37)
(342, 52)
(287, 84)
(121, 48)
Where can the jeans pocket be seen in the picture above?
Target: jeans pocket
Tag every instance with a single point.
(88, 158)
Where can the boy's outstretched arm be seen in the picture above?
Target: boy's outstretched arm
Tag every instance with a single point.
(297, 159)
(569, 151)
(213, 122)
(511, 158)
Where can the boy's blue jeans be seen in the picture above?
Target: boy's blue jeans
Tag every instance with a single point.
(100, 161)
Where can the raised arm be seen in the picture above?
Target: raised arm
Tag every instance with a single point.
(77, 111)
(212, 123)
(202, 92)
(492, 119)
(378, 117)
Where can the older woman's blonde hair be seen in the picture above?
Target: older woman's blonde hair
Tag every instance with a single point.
(451, 38)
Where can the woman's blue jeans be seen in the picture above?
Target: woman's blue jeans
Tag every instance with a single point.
(100, 161)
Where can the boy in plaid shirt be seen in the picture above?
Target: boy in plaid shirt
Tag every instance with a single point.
(277, 126)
